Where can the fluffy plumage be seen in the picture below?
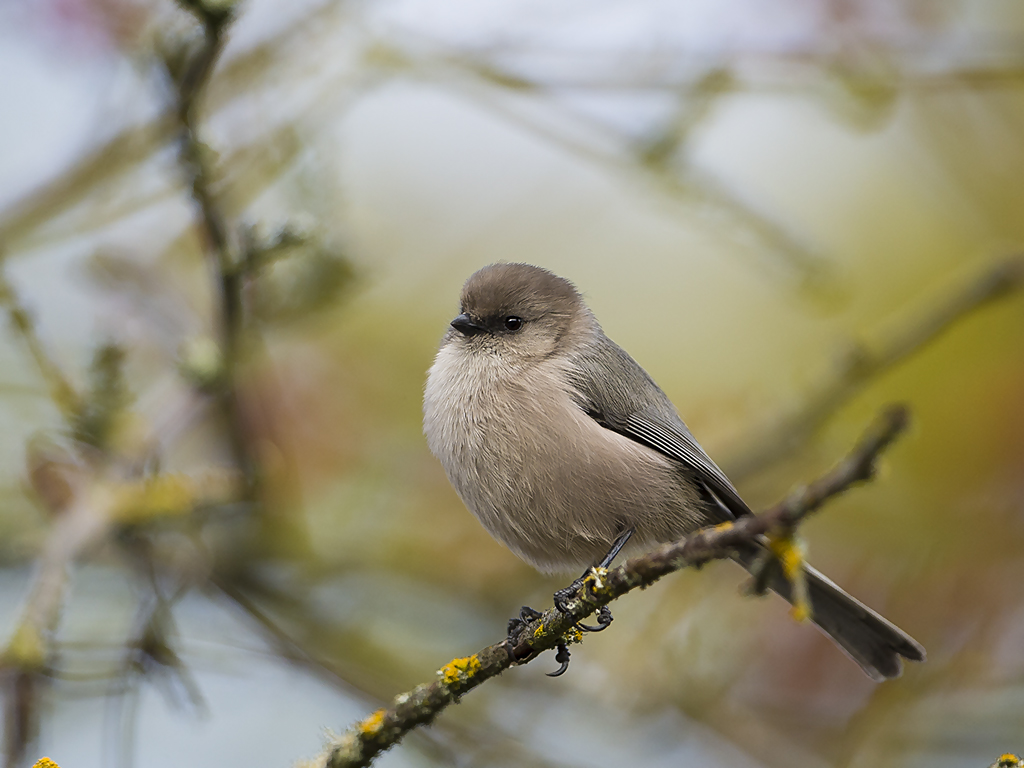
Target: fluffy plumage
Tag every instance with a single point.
(558, 441)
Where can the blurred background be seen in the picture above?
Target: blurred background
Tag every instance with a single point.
(227, 262)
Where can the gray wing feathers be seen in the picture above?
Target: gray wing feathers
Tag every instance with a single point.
(680, 445)
(620, 395)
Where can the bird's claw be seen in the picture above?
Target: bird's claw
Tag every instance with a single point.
(516, 625)
(563, 596)
(604, 620)
(562, 657)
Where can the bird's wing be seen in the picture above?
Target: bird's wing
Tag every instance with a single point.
(676, 442)
(617, 393)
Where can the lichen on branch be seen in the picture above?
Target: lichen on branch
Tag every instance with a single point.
(384, 728)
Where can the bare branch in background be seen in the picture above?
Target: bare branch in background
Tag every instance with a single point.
(28, 652)
(61, 392)
(189, 68)
(386, 727)
(120, 155)
(134, 145)
(86, 509)
(861, 365)
(97, 499)
(657, 165)
(93, 494)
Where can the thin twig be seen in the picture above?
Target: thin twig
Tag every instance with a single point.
(61, 392)
(386, 727)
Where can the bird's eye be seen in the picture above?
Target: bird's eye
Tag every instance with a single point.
(513, 323)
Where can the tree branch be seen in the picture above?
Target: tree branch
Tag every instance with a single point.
(61, 391)
(386, 727)
(190, 73)
(860, 364)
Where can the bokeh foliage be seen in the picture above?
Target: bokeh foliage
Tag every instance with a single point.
(223, 304)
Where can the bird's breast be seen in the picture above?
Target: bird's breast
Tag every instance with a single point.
(540, 474)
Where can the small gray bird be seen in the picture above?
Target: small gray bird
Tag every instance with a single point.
(564, 448)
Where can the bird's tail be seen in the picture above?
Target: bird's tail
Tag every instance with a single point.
(876, 644)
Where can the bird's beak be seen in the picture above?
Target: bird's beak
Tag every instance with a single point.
(465, 326)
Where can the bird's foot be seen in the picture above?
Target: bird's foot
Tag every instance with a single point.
(516, 626)
(564, 595)
(591, 580)
(604, 620)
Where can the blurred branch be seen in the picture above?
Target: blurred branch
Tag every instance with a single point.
(61, 392)
(27, 654)
(783, 71)
(189, 69)
(285, 645)
(190, 78)
(234, 257)
(133, 145)
(87, 510)
(386, 727)
(860, 365)
(657, 163)
(123, 153)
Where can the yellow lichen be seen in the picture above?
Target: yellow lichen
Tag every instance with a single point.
(459, 669)
(45, 762)
(595, 577)
(371, 726)
(167, 495)
(790, 554)
(160, 496)
(26, 649)
(1008, 761)
(801, 611)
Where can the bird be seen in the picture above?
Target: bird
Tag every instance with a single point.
(565, 449)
